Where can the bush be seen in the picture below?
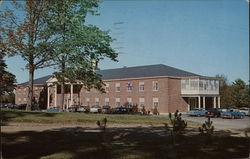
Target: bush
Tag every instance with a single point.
(155, 111)
(177, 125)
(207, 127)
(102, 124)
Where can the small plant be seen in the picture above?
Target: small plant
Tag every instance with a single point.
(155, 111)
(177, 127)
(207, 127)
(144, 112)
(102, 124)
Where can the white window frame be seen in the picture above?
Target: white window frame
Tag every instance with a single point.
(155, 85)
(117, 85)
(141, 84)
(156, 100)
(117, 100)
(141, 102)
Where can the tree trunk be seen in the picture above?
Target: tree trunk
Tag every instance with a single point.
(30, 88)
(62, 99)
(62, 85)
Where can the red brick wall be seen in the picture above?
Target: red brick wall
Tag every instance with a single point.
(176, 102)
(21, 95)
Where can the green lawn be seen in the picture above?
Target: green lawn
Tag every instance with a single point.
(130, 142)
(17, 116)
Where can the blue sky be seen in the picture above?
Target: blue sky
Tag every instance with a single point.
(206, 37)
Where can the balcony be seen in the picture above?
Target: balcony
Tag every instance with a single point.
(200, 86)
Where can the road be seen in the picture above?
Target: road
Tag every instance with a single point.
(220, 123)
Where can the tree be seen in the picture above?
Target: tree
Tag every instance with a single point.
(7, 79)
(225, 91)
(77, 46)
(26, 37)
(240, 95)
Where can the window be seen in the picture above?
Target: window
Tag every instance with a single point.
(155, 102)
(129, 100)
(19, 99)
(96, 101)
(24, 99)
(107, 87)
(129, 86)
(58, 89)
(87, 101)
(141, 86)
(117, 87)
(106, 101)
(141, 102)
(117, 102)
(155, 86)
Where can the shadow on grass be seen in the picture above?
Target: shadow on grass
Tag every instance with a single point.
(123, 143)
(7, 115)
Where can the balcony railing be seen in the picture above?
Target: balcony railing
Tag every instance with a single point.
(200, 86)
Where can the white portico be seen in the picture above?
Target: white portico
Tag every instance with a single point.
(201, 92)
(54, 94)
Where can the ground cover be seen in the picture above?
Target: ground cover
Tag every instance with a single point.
(126, 137)
(19, 116)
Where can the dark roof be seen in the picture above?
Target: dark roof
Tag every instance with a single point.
(144, 71)
(39, 81)
(132, 72)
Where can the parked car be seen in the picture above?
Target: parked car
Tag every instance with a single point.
(232, 114)
(83, 108)
(213, 112)
(122, 110)
(53, 109)
(197, 112)
(106, 109)
(95, 109)
(245, 110)
(73, 108)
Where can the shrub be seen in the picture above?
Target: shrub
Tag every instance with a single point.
(155, 111)
(207, 127)
(102, 123)
(177, 125)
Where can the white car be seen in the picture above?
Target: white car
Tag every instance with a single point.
(245, 110)
(95, 109)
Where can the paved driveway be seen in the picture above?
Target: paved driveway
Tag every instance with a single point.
(220, 123)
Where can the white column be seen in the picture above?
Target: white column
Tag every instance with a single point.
(188, 103)
(199, 102)
(218, 101)
(55, 95)
(204, 102)
(214, 102)
(48, 97)
(71, 94)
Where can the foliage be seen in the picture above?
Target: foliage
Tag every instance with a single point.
(22, 33)
(235, 94)
(102, 123)
(7, 79)
(207, 127)
(78, 47)
(155, 111)
(177, 123)
(240, 94)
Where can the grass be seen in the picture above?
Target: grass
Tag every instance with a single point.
(120, 143)
(19, 116)
(130, 142)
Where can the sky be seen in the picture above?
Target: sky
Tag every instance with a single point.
(206, 37)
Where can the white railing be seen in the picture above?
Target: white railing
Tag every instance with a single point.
(200, 86)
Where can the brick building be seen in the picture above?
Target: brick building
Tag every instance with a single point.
(151, 86)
